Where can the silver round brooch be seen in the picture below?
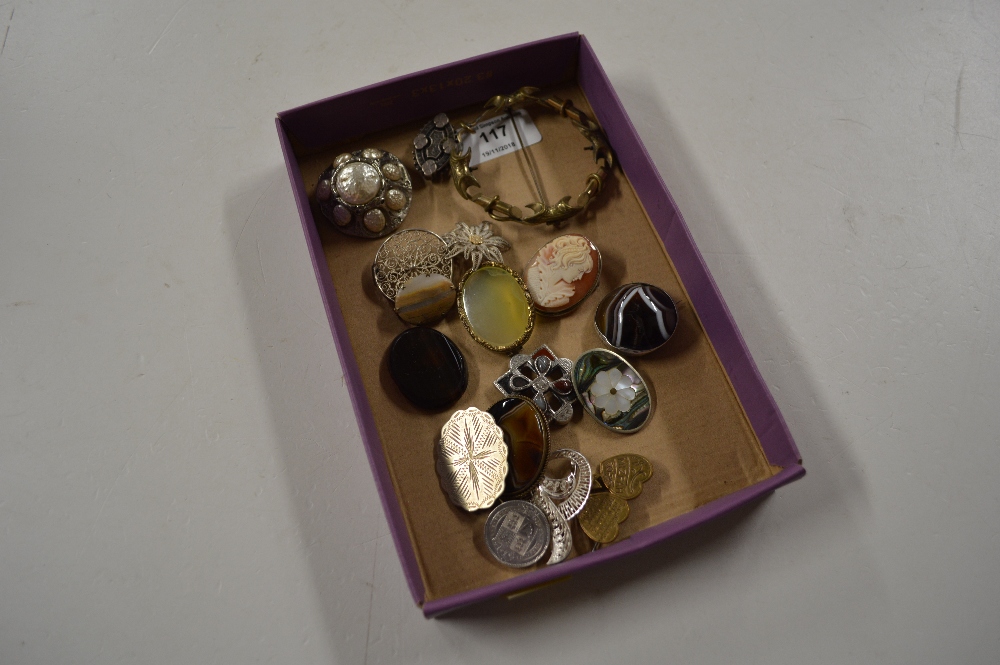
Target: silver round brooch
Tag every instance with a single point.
(365, 193)
(405, 255)
(413, 270)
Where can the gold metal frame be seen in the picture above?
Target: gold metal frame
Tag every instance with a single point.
(461, 172)
(510, 348)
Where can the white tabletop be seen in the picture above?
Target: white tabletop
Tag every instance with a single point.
(181, 476)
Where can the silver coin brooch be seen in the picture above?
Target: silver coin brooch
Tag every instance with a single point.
(517, 533)
(558, 500)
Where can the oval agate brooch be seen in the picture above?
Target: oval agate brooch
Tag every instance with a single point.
(526, 434)
(636, 319)
(429, 370)
(495, 307)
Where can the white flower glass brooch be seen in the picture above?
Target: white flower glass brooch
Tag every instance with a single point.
(612, 391)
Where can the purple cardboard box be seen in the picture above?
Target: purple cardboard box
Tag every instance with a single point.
(544, 63)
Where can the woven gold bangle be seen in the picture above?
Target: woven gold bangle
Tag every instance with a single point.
(461, 172)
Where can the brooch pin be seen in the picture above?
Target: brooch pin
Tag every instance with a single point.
(468, 185)
(475, 244)
(433, 145)
(602, 515)
(620, 478)
(527, 437)
(495, 307)
(561, 539)
(625, 474)
(636, 319)
(543, 378)
(366, 193)
(562, 499)
(471, 459)
(412, 269)
(563, 273)
(611, 391)
(572, 490)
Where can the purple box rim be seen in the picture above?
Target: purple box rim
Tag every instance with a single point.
(757, 401)
(634, 543)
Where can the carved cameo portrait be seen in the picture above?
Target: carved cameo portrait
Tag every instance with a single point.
(562, 273)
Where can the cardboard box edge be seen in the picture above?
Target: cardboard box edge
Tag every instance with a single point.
(763, 413)
(637, 541)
